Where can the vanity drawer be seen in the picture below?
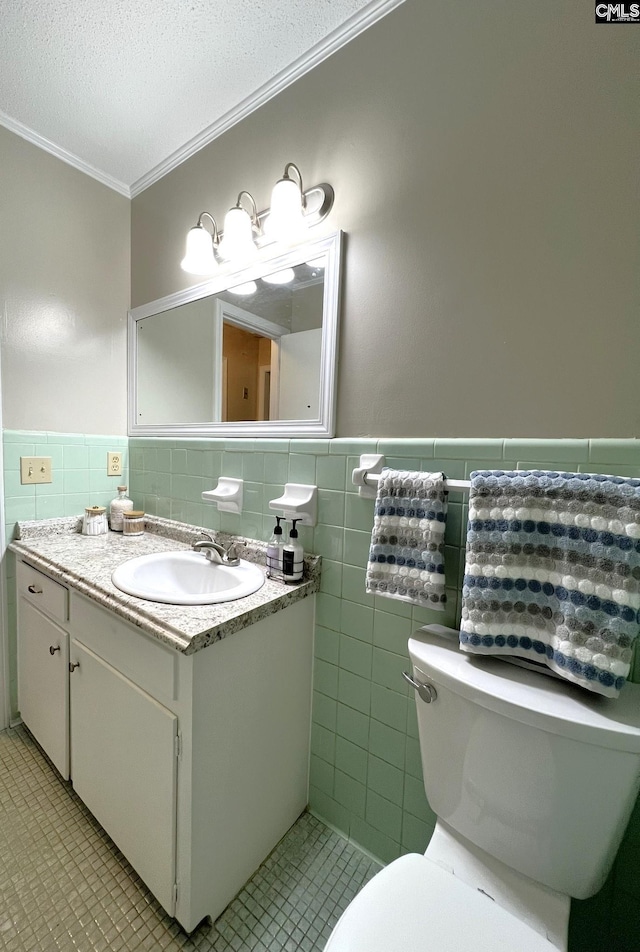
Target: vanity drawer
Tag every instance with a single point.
(128, 649)
(49, 596)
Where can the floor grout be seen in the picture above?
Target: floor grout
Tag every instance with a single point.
(65, 887)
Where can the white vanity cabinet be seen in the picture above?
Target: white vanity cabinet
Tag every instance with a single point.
(43, 662)
(195, 765)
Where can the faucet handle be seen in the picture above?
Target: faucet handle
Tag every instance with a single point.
(231, 553)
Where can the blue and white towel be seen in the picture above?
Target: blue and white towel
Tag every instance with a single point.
(406, 559)
(552, 573)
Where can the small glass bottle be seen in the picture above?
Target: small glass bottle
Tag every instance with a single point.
(133, 522)
(117, 506)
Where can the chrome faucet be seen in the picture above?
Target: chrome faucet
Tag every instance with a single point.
(217, 553)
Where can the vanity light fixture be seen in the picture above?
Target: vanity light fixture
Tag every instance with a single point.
(199, 257)
(280, 277)
(238, 244)
(286, 221)
(292, 211)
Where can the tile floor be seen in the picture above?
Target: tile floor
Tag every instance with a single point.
(65, 887)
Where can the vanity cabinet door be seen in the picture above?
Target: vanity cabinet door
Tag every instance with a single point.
(124, 766)
(43, 682)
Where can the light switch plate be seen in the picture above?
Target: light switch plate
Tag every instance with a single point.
(114, 464)
(35, 469)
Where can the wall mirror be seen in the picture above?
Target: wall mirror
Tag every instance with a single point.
(248, 353)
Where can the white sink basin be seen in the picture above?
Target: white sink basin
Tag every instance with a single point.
(186, 578)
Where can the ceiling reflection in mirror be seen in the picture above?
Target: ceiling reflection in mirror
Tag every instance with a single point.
(250, 354)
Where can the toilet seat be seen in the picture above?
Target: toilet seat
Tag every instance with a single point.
(414, 905)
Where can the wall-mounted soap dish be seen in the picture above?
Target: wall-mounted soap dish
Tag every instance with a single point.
(227, 494)
(299, 501)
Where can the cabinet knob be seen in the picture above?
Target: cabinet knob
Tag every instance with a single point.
(53, 650)
(35, 590)
(73, 665)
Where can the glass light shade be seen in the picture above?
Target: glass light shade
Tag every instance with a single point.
(249, 287)
(199, 258)
(286, 221)
(280, 277)
(237, 242)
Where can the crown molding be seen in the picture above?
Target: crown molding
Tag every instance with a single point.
(43, 143)
(334, 41)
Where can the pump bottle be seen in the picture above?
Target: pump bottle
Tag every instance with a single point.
(292, 556)
(274, 550)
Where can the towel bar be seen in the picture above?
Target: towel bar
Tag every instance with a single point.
(366, 477)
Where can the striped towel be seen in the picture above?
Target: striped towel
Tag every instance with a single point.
(406, 559)
(552, 573)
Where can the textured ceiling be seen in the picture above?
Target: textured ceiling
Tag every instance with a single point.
(124, 85)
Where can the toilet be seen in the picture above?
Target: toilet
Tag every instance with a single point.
(532, 780)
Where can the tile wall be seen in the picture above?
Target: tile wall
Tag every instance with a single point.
(366, 777)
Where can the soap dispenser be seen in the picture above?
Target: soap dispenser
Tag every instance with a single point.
(292, 556)
(274, 551)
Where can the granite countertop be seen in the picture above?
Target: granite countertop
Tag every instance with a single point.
(85, 563)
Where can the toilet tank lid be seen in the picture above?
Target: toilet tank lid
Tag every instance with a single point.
(529, 697)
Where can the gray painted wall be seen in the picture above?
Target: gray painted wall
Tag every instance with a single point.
(64, 294)
(484, 157)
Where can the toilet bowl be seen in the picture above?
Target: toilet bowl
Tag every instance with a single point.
(532, 781)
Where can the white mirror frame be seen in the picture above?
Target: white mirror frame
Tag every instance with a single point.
(324, 427)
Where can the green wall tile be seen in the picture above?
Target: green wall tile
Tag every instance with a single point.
(384, 815)
(391, 632)
(354, 691)
(389, 707)
(323, 742)
(356, 547)
(353, 726)
(410, 447)
(326, 645)
(327, 809)
(353, 585)
(387, 744)
(463, 449)
(351, 759)
(387, 669)
(615, 451)
(328, 610)
(372, 840)
(359, 513)
(331, 507)
(302, 469)
(385, 780)
(330, 472)
(321, 774)
(561, 451)
(355, 656)
(324, 711)
(349, 793)
(328, 541)
(415, 834)
(325, 678)
(331, 577)
(276, 468)
(356, 620)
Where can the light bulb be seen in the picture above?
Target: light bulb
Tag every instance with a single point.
(249, 287)
(237, 242)
(199, 258)
(280, 277)
(286, 221)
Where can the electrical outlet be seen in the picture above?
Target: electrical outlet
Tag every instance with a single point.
(114, 464)
(35, 469)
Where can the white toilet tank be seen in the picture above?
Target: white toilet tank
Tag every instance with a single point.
(536, 771)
